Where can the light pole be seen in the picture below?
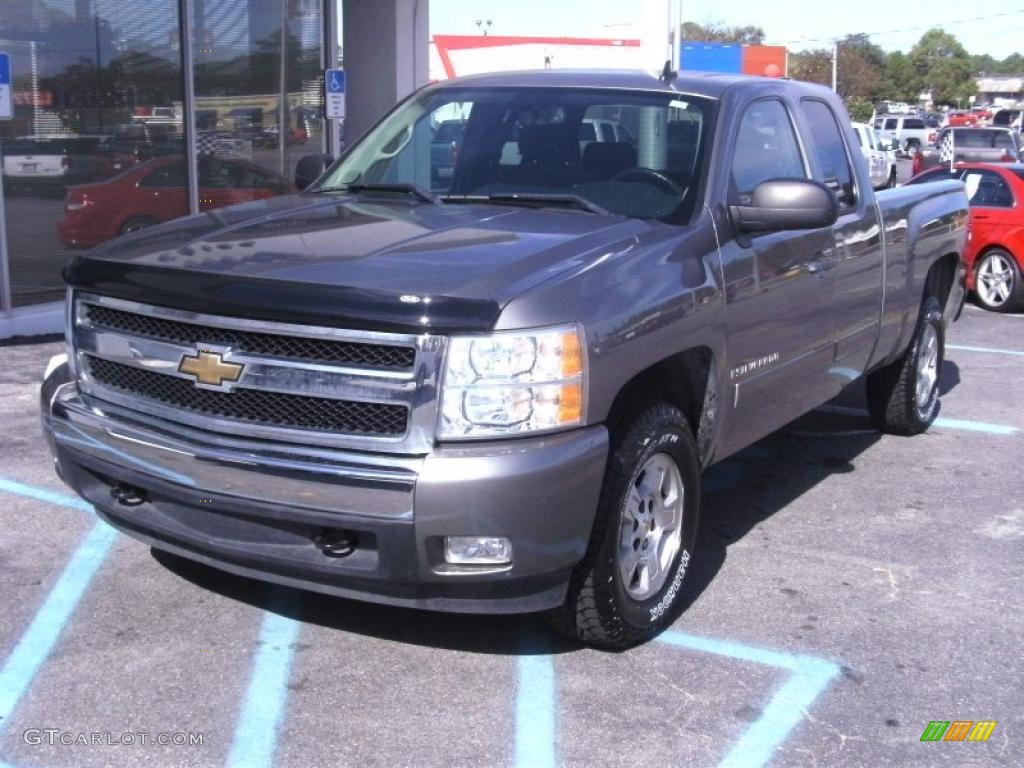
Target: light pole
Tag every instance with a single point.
(835, 66)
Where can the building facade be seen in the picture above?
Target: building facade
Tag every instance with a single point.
(128, 113)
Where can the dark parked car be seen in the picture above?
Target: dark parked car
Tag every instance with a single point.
(501, 399)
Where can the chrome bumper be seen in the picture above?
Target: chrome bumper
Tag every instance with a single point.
(256, 508)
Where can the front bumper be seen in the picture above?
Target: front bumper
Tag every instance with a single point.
(258, 509)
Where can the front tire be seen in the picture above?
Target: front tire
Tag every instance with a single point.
(997, 282)
(628, 585)
(903, 397)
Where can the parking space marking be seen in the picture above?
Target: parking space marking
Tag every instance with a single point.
(535, 712)
(39, 640)
(942, 421)
(969, 348)
(784, 710)
(256, 733)
(43, 494)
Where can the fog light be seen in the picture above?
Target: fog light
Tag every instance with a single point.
(477, 550)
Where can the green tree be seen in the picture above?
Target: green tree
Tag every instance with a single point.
(814, 66)
(716, 32)
(860, 70)
(901, 81)
(943, 67)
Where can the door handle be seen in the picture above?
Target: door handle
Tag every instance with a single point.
(819, 266)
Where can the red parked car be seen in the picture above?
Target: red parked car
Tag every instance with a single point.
(956, 119)
(995, 247)
(157, 191)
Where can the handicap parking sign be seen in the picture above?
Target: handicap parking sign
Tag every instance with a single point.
(6, 98)
(334, 96)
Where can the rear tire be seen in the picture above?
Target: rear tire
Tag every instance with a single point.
(628, 585)
(903, 397)
(997, 282)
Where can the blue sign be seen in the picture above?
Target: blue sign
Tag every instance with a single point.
(6, 98)
(712, 57)
(334, 85)
(335, 80)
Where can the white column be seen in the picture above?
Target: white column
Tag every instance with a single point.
(385, 44)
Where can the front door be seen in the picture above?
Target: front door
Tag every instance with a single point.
(778, 288)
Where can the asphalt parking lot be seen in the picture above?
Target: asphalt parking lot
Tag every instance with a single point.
(847, 589)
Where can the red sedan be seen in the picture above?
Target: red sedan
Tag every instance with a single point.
(995, 248)
(156, 191)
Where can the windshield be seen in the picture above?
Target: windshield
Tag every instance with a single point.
(631, 153)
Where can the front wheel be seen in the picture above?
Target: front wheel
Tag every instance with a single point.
(903, 397)
(628, 585)
(997, 282)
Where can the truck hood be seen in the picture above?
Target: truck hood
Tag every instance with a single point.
(352, 262)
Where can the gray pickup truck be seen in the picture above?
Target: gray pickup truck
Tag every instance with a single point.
(969, 145)
(496, 390)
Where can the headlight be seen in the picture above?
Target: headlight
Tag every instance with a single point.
(512, 383)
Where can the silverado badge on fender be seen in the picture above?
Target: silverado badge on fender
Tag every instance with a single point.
(210, 368)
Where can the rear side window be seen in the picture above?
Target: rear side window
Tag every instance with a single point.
(829, 151)
(913, 124)
(766, 148)
(988, 190)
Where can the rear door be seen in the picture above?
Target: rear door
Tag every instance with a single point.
(778, 289)
(857, 259)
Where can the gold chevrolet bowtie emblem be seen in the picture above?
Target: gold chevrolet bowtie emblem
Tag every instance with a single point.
(210, 368)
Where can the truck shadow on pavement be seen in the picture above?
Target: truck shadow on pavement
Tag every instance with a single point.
(739, 493)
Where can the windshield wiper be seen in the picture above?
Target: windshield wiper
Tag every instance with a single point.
(540, 199)
(367, 186)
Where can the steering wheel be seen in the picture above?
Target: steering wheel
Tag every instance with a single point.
(652, 177)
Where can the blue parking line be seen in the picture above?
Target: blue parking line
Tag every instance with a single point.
(256, 733)
(942, 421)
(42, 494)
(38, 642)
(968, 348)
(787, 706)
(535, 712)
(975, 426)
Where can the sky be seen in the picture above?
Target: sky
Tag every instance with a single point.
(799, 24)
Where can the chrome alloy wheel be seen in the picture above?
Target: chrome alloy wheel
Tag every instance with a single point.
(652, 525)
(995, 280)
(927, 366)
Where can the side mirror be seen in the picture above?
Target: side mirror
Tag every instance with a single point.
(784, 204)
(310, 168)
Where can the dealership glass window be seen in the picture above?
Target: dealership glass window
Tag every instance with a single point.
(258, 68)
(97, 86)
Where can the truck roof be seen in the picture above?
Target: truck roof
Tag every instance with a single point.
(709, 84)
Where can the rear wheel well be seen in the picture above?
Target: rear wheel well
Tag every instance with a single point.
(939, 282)
(681, 379)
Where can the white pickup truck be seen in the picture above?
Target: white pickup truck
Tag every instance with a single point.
(909, 131)
(881, 161)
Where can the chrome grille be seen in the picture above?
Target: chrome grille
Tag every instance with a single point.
(273, 408)
(269, 344)
(309, 385)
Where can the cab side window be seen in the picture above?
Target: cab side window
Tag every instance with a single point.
(829, 150)
(766, 148)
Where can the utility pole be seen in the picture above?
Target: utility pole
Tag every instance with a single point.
(835, 66)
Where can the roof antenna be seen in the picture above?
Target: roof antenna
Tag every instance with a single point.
(667, 73)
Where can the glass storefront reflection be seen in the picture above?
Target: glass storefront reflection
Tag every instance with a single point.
(258, 85)
(98, 92)
(97, 144)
